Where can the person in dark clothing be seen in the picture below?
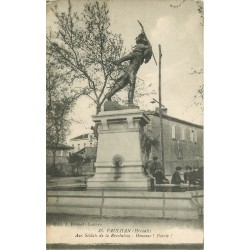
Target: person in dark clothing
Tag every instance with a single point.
(188, 175)
(157, 172)
(196, 176)
(176, 178)
(200, 174)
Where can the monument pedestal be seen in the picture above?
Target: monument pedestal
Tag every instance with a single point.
(119, 155)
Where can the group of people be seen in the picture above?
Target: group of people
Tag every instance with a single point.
(192, 177)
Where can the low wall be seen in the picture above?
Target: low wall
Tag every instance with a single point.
(104, 203)
(59, 160)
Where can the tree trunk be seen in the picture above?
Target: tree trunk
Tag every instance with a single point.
(54, 158)
(98, 109)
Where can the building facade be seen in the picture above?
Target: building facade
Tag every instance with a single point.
(83, 141)
(182, 141)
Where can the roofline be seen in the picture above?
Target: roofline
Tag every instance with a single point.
(73, 139)
(170, 118)
(77, 137)
(77, 152)
(61, 146)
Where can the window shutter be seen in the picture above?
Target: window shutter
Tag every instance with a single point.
(173, 132)
(191, 135)
(195, 136)
(183, 134)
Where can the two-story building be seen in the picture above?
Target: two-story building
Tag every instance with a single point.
(83, 141)
(182, 141)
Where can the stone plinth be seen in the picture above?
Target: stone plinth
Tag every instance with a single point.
(119, 141)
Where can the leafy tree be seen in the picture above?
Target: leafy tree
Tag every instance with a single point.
(78, 160)
(147, 142)
(84, 45)
(60, 99)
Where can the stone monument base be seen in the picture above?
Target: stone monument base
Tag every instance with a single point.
(119, 163)
(129, 177)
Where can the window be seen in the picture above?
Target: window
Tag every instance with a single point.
(180, 154)
(78, 147)
(72, 145)
(191, 135)
(195, 136)
(183, 134)
(173, 132)
(85, 144)
(90, 144)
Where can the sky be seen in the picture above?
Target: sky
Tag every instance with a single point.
(180, 34)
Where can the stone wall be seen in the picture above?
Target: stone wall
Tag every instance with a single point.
(104, 203)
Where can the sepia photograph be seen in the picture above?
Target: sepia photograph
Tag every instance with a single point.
(124, 124)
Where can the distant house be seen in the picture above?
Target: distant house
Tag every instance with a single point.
(83, 141)
(85, 158)
(87, 152)
(62, 153)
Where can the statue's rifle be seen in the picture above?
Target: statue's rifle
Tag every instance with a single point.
(147, 40)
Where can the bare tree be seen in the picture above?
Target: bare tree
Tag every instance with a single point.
(199, 96)
(199, 4)
(84, 45)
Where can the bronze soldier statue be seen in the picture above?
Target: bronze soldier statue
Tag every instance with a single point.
(141, 53)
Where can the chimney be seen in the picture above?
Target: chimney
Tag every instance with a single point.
(164, 110)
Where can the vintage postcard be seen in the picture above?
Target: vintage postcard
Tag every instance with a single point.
(124, 124)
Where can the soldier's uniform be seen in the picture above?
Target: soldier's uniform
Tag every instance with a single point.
(142, 52)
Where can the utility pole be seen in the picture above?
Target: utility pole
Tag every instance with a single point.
(160, 112)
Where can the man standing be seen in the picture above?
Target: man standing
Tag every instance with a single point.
(157, 172)
(176, 178)
(188, 175)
